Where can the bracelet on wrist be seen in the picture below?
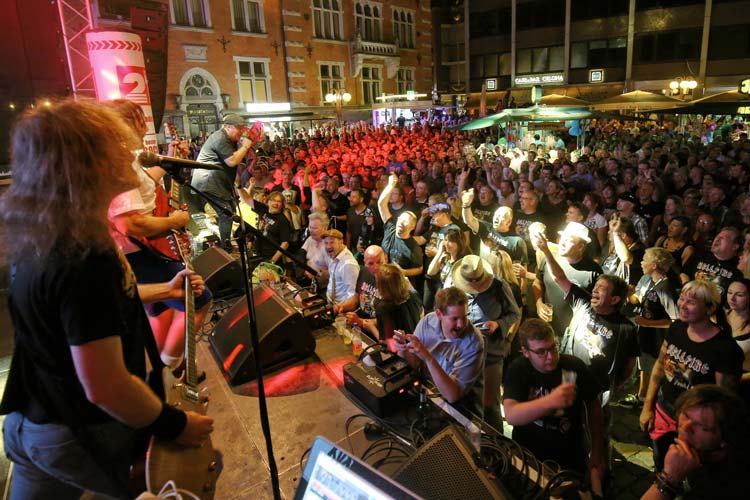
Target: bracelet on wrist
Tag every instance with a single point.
(465, 206)
(666, 486)
(169, 424)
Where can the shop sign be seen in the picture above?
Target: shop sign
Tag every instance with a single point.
(596, 76)
(744, 87)
(540, 79)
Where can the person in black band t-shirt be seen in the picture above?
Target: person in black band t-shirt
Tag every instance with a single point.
(272, 222)
(76, 384)
(718, 266)
(546, 395)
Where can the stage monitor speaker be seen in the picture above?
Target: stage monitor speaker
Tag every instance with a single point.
(221, 272)
(283, 333)
(443, 468)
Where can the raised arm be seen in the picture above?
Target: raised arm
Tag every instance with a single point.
(557, 272)
(385, 212)
(467, 197)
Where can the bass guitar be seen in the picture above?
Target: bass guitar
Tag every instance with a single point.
(192, 469)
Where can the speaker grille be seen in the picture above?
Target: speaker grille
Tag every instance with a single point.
(443, 469)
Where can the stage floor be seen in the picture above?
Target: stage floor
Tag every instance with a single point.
(304, 400)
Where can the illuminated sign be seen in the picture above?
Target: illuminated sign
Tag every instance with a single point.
(267, 107)
(596, 76)
(743, 110)
(744, 87)
(538, 79)
(491, 84)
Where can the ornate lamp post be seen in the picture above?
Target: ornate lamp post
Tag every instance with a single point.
(338, 97)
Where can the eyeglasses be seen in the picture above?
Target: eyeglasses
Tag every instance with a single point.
(553, 349)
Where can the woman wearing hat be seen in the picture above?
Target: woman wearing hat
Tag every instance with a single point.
(493, 310)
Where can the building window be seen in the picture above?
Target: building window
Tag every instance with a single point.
(581, 10)
(403, 28)
(404, 80)
(198, 87)
(190, 13)
(369, 22)
(327, 19)
(370, 83)
(247, 16)
(663, 4)
(599, 53)
(539, 60)
(493, 22)
(667, 46)
(331, 77)
(253, 79)
(729, 42)
(540, 14)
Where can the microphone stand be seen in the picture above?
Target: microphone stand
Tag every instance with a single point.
(254, 338)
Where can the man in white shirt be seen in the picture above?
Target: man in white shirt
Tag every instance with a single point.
(343, 270)
(314, 248)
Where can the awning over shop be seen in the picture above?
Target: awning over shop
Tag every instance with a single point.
(725, 103)
(530, 114)
(638, 101)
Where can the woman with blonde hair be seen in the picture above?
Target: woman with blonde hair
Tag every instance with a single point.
(400, 306)
(695, 350)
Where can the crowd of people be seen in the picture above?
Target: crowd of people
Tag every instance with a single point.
(628, 258)
(529, 284)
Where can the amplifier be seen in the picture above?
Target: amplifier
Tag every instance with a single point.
(382, 388)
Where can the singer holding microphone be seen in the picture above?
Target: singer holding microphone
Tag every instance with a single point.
(133, 223)
(220, 149)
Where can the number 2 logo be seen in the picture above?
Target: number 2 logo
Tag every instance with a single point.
(133, 83)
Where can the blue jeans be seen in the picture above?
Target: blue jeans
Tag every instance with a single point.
(50, 462)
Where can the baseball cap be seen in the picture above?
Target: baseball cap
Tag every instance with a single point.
(440, 207)
(233, 119)
(627, 196)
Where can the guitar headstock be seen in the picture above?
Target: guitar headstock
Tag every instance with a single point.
(181, 147)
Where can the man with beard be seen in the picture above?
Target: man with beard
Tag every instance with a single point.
(220, 149)
(343, 270)
(355, 217)
(367, 290)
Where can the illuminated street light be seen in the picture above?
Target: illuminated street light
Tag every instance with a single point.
(683, 86)
(338, 97)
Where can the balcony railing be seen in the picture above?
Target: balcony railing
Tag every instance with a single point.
(360, 46)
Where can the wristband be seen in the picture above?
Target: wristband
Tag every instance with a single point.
(665, 486)
(169, 424)
(465, 206)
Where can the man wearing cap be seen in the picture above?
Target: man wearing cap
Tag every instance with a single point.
(220, 149)
(440, 223)
(449, 346)
(343, 270)
(626, 208)
(493, 310)
(581, 270)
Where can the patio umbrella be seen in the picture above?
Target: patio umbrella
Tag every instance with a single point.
(638, 101)
(557, 100)
(731, 103)
(530, 114)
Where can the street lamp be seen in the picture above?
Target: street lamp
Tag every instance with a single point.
(682, 86)
(338, 97)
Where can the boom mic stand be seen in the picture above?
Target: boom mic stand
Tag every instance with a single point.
(252, 323)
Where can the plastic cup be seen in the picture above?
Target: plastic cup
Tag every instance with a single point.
(340, 324)
(356, 341)
(347, 337)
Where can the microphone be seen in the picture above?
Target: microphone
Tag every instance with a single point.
(170, 164)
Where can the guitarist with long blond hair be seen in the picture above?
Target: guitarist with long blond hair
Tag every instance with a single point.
(76, 399)
(134, 221)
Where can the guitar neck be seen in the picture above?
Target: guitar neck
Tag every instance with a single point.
(191, 372)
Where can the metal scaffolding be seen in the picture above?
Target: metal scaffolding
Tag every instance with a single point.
(75, 22)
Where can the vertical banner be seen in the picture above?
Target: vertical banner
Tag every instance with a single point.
(120, 73)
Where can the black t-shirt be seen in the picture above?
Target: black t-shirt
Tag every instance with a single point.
(217, 148)
(521, 224)
(404, 316)
(583, 273)
(559, 436)
(367, 291)
(61, 303)
(514, 245)
(435, 235)
(688, 363)
(275, 227)
(705, 266)
(603, 343)
(354, 222)
(404, 252)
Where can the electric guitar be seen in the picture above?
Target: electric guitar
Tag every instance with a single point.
(166, 246)
(192, 469)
